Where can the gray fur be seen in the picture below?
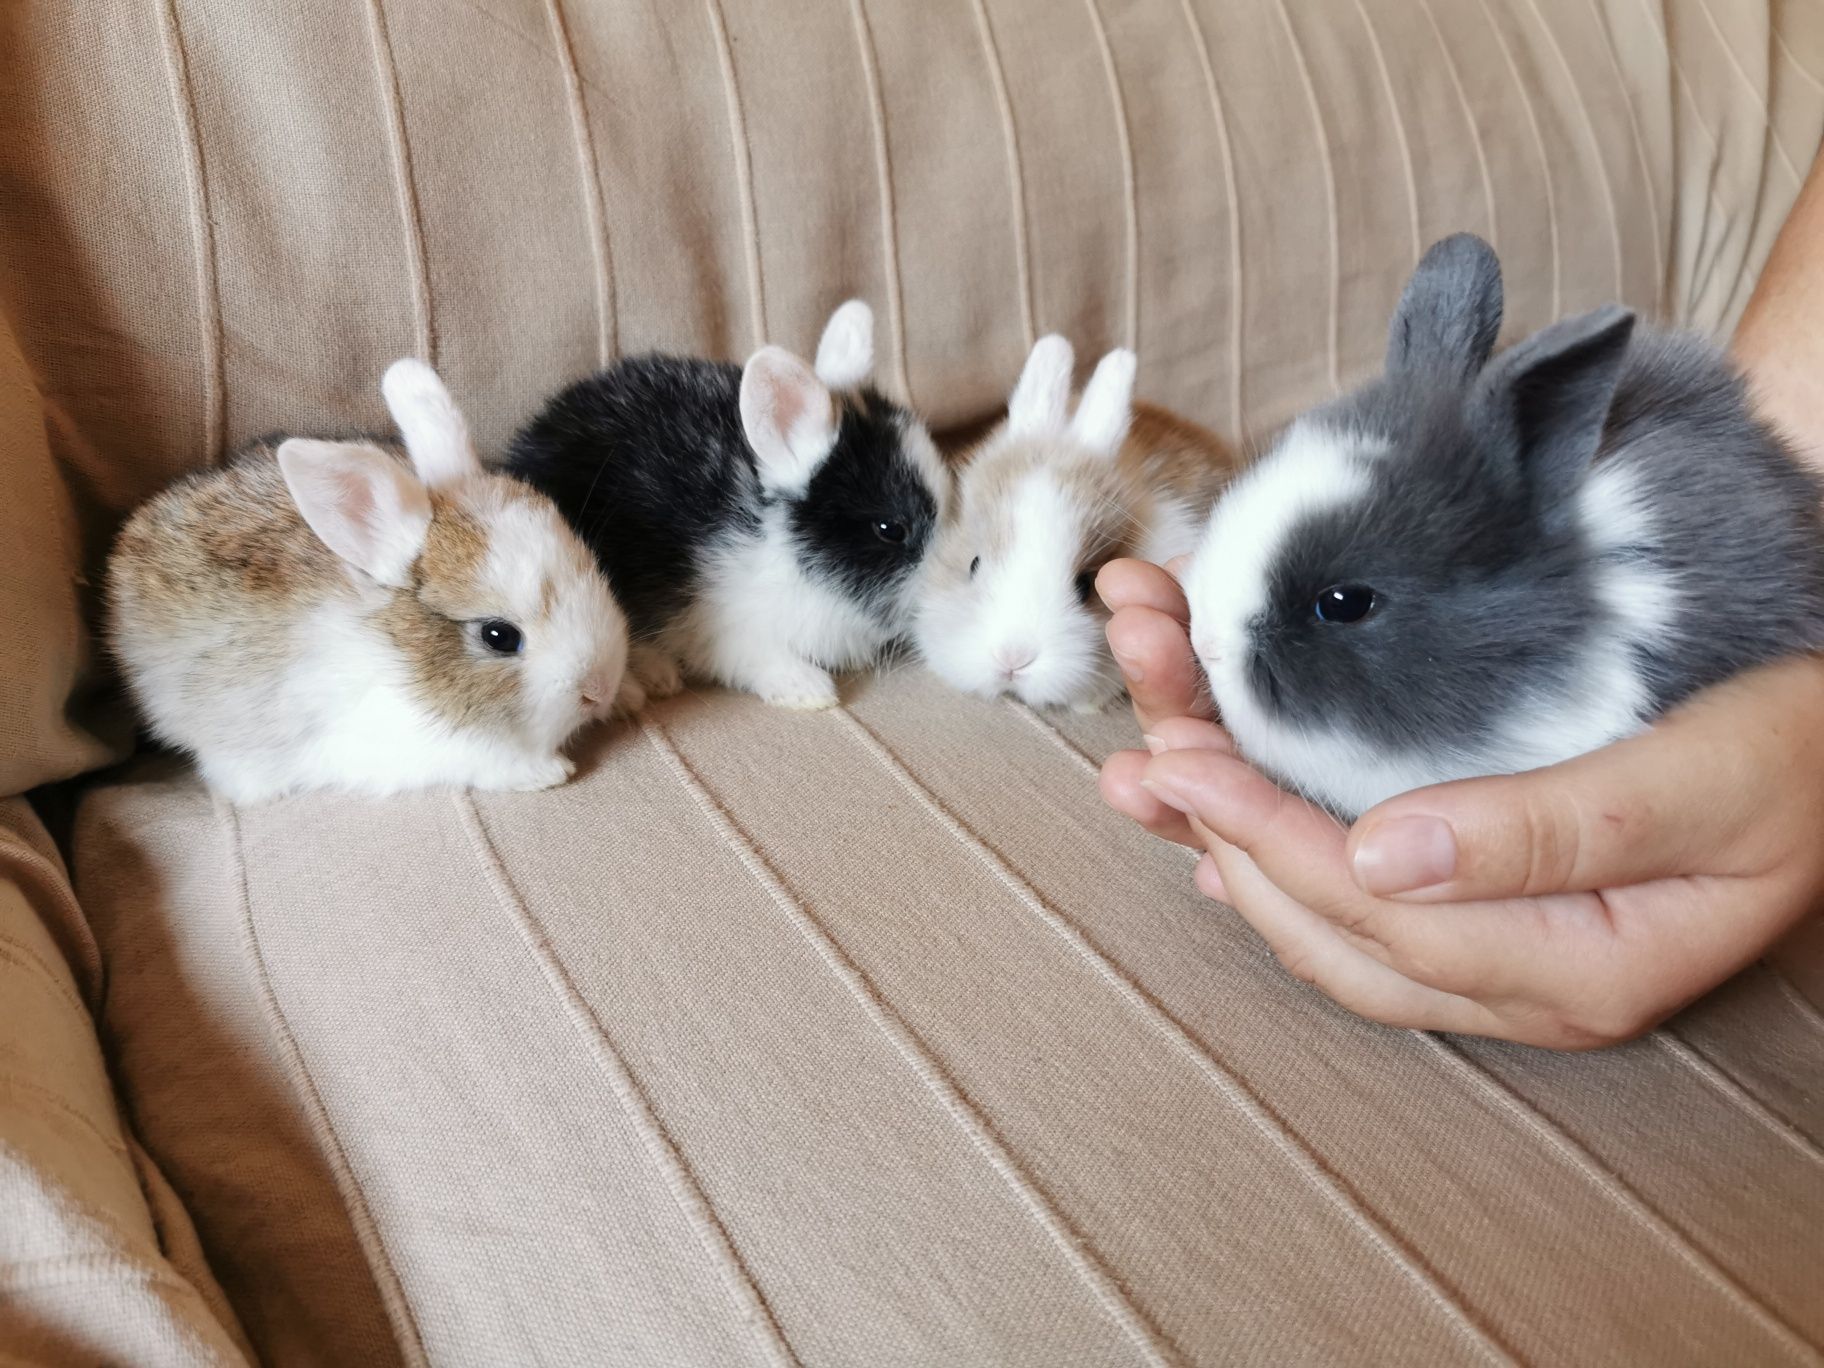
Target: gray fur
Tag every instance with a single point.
(1486, 578)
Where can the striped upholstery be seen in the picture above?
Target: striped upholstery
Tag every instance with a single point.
(865, 1037)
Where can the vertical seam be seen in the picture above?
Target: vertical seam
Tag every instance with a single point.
(202, 232)
(1660, 273)
(1765, 97)
(1469, 118)
(18, 954)
(1545, 163)
(1805, 1007)
(889, 224)
(1202, 45)
(1050, 732)
(1620, 1192)
(411, 221)
(53, 884)
(1589, 125)
(589, 180)
(680, 1181)
(744, 167)
(1797, 65)
(1318, 1175)
(1022, 246)
(291, 1059)
(1129, 190)
(1399, 126)
(1730, 1088)
(1329, 169)
(1068, 1241)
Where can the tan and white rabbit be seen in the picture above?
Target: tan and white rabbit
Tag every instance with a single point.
(1007, 600)
(344, 615)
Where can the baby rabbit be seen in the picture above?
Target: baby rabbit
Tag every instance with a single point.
(1473, 566)
(759, 522)
(1007, 600)
(327, 615)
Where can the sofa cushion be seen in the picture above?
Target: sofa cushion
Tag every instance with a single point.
(98, 1260)
(870, 1036)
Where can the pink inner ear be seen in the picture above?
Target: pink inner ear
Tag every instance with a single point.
(787, 403)
(356, 496)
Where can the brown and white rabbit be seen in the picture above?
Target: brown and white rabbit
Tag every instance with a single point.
(344, 615)
(1007, 600)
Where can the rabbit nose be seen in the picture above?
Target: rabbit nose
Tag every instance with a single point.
(1013, 659)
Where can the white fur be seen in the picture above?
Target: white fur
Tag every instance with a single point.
(760, 624)
(1042, 396)
(1105, 409)
(435, 434)
(1174, 530)
(788, 417)
(1604, 699)
(845, 354)
(361, 503)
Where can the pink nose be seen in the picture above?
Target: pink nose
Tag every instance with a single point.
(1013, 659)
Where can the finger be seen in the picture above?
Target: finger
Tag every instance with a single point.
(1141, 584)
(1120, 786)
(1473, 949)
(1188, 733)
(1163, 677)
(1315, 952)
(1209, 879)
(1697, 794)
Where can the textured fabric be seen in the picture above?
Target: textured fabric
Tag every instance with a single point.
(859, 1038)
(98, 1262)
(871, 1037)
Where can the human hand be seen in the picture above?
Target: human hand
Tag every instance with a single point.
(1569, 907)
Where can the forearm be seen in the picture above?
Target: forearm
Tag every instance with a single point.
(1780, 341)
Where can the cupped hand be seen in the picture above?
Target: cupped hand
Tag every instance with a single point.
(1569, 907)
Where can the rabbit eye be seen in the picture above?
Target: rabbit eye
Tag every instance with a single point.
(1344, 603)
(502, 638)
(893, 533)
(974, 565)
(1086, 586)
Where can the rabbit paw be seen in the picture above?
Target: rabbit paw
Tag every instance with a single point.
(656, 672)
(545, 772)
(802, 687)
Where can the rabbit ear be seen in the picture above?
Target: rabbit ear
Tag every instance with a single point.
(1039, 400)
(1450, 311)
(1552, 394)
(1106, 407)
(845, 356)
(362, 504)
(789, 418)
(436, 435)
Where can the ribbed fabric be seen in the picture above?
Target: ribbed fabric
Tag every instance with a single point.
(868, 1037)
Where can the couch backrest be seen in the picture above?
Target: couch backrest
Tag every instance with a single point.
(220, 218)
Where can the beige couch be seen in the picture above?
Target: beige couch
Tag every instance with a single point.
(867, 1037)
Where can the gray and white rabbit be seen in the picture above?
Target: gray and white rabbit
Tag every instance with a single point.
(1473, 566)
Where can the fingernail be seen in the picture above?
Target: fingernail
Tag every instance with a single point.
(1403, 854)
(1165, 795)
(1129, 668)
(1154, 744)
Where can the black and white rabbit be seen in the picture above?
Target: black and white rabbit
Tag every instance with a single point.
(1473, 566)
(761, 523)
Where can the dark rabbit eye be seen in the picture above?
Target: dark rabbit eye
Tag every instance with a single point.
(503, 638)
(1344, 603)
(974, 565)
(1086, 586)
(888, 531)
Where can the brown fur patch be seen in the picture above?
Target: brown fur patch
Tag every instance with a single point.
(452, 673)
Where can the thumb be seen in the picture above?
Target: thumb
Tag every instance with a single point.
(1626, 814)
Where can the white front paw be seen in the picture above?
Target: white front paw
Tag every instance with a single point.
(545, 772)
(631, 697)
(801, 686)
